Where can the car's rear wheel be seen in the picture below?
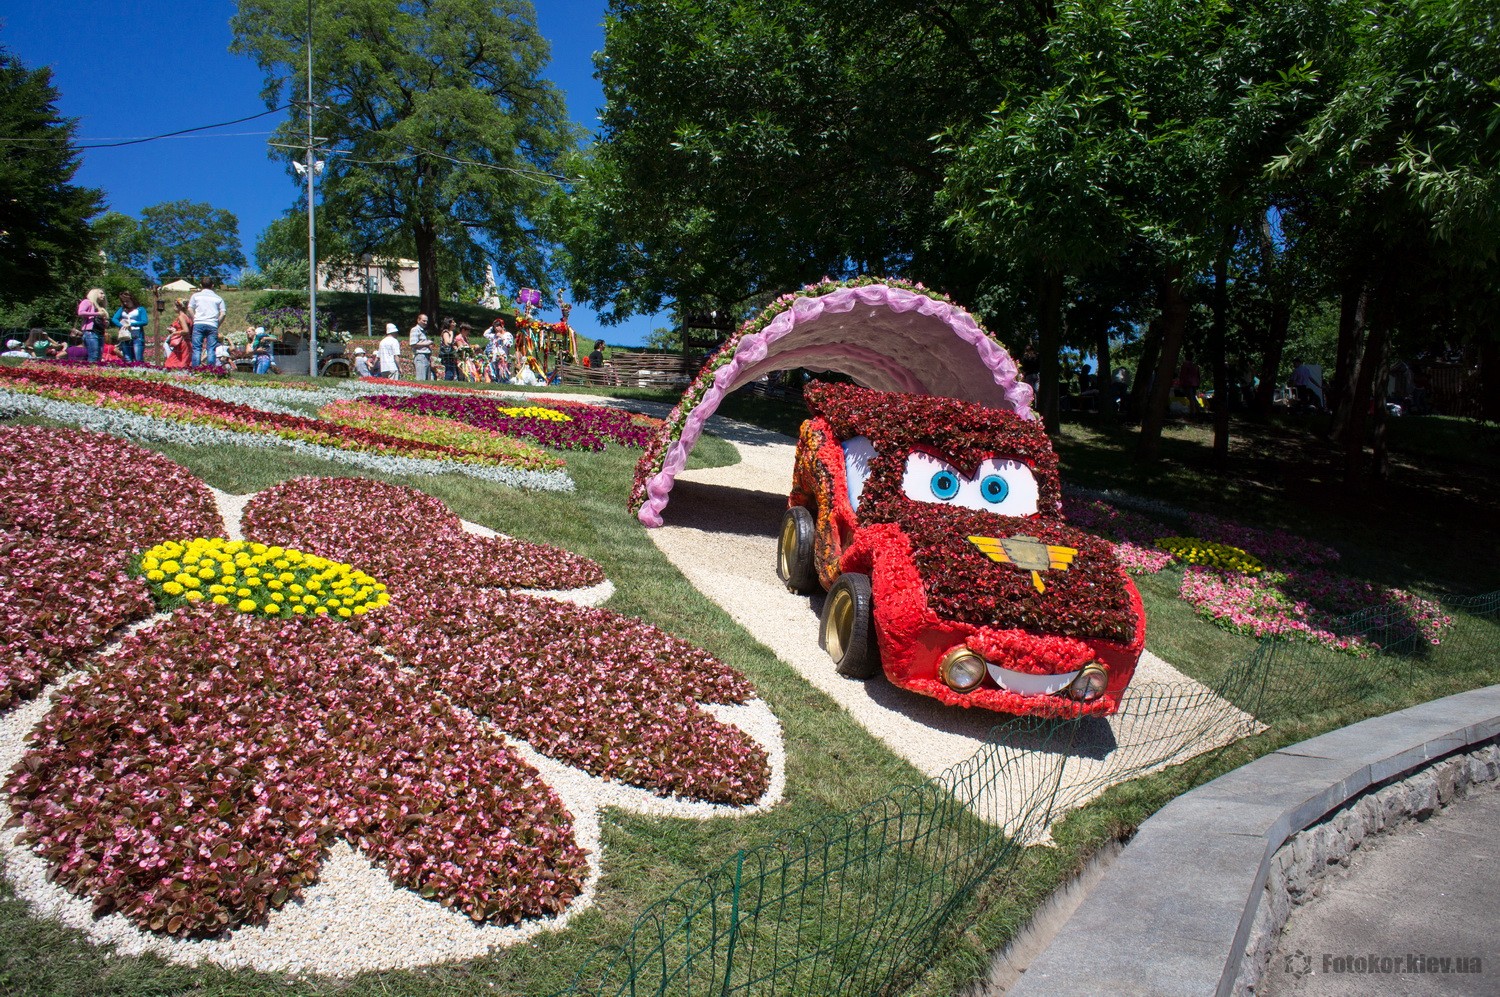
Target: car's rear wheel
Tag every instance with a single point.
(794, 551)
(847, 628)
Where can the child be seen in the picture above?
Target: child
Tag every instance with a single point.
(361, 362)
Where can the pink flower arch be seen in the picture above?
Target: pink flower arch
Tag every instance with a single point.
(883, 335)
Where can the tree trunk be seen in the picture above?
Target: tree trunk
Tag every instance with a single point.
(1174, 322)
(425, 237)
(1140, 391)
(1363, 394)
(1347, 418)
(1347, 358)
(1281, 321)
(1049, 343)
(1380, 463)
(1222, 388)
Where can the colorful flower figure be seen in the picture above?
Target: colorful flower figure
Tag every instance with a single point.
(194, 777)
(935, 526)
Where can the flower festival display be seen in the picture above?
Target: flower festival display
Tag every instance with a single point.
(886, 333)
(935, 526)
(385, 689)
(581, 427)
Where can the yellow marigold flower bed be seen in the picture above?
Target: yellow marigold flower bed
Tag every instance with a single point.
(259, 579)
(535, 412)
(1194, 550)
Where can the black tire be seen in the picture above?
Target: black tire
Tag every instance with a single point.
(794, 551)
(335, 368)
(847, 628)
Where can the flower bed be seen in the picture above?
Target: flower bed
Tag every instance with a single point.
(587, 427)
(1133, 534)
(1192, 550)
(165, 401)
(407, 537)
(196, 780)
(255, 578)
(1304, 605)
(1271, 546)
(434, 429)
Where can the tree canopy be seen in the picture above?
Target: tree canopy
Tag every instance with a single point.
(439, 133)
(45, 238)
(191, 240)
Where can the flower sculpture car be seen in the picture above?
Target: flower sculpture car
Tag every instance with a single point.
(195, 775)
(935, 526)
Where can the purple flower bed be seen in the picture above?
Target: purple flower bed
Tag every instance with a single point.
(586, 427)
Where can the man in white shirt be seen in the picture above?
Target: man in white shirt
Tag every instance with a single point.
(208, 311)
(421, 349)
(389, 350)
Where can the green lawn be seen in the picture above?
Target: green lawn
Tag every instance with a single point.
(1401, 534)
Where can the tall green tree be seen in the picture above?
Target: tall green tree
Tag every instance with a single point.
(441, 136)
(748, 146)
(191, 240)
(45, 238)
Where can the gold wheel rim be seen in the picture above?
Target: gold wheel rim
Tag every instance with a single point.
(840, 623)
(785, 548)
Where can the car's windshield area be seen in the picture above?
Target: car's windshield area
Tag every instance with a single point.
(1005, 487)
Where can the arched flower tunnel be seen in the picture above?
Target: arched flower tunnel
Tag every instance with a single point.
(884, 334)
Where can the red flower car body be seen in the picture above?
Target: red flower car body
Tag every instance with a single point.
(935, 526)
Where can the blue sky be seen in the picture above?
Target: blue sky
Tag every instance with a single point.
(131, 68)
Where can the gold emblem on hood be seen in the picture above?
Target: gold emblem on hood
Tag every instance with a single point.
(1028, 554)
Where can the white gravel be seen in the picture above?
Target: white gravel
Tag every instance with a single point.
(354, 919)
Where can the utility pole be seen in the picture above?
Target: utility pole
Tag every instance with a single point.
(312, 236)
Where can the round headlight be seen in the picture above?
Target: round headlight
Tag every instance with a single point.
(961, 669)
(1090, 682)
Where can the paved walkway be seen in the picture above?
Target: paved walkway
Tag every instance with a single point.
(1414, 903)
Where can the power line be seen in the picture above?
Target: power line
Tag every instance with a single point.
(115, 144)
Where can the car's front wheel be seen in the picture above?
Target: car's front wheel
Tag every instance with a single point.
(794, 551)
(847, 628)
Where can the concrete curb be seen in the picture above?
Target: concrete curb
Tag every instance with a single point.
(1174, 913)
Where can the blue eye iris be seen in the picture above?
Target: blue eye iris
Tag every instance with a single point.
(945, 484)
(994, 488)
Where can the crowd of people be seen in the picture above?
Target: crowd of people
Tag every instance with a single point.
(457, 354)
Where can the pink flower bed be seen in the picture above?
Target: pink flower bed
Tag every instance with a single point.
(406, 537)
(1134, 535)
(197, 779)
(1275, 547)
(587, 427)
(73, 505)
(1304, 605)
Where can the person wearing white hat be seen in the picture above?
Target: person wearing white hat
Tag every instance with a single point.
(13, 349)
(361, 362)
(389, 350)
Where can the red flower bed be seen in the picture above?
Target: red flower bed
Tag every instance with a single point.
(58, 600)
(609, 694)
(94, 488)
(196, 781)
(406, 537)
(73, 505)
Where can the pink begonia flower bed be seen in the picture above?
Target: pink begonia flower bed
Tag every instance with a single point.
(1132, 534)
(1302, 604)
(73, 505)
(194, 778)
(586, 427)
(1275, 547)
(406, 537)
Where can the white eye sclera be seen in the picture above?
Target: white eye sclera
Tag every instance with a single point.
(1005, 487)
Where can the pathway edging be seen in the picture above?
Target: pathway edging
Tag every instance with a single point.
(1177, 912)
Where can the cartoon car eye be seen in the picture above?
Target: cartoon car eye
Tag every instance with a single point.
(1002, 486)
(858, 452)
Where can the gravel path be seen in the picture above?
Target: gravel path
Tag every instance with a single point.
(721, 531)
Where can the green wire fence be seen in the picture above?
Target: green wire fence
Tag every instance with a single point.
(861, 903)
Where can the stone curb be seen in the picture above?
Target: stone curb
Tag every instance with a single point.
(1174, 914)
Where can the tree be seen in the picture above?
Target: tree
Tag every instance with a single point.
(443, 137)
(191, 239)
(45, 238)
(122, 241)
